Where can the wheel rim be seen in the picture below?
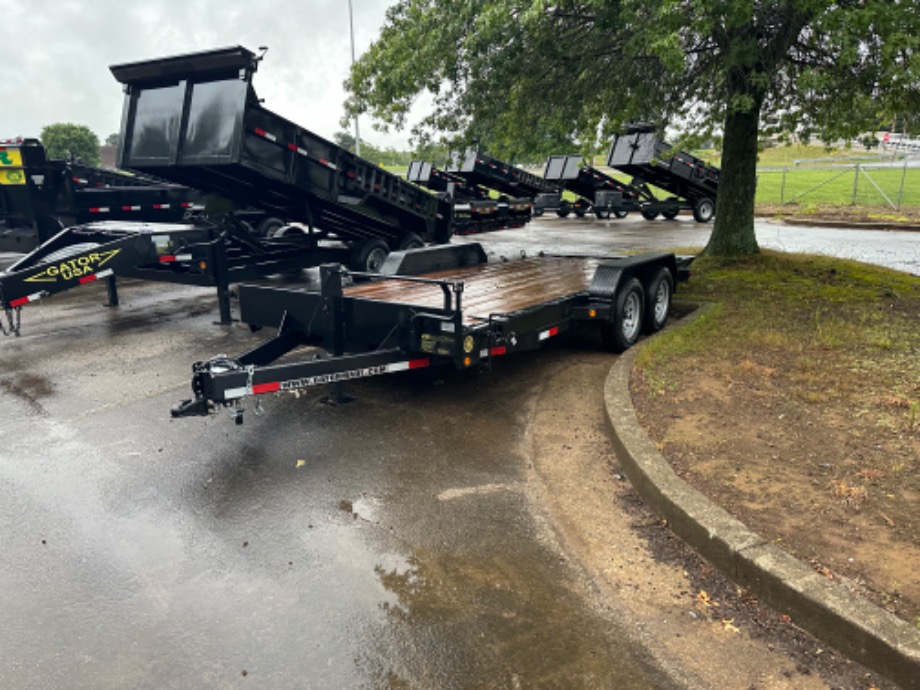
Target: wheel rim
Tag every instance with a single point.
(662, 302)
(375, 260)
(632, 317)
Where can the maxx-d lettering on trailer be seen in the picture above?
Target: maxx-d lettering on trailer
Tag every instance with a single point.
(445, 305)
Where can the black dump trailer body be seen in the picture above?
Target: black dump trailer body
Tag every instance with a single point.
(597, 191)
(651, 161)
(483, 170)
(196, 120)
(474, 211)
(41, 196)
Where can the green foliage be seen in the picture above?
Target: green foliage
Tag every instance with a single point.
(113, 139)
(518, 75)
(65, 140)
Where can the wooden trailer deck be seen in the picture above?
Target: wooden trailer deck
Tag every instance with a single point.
(502, 287)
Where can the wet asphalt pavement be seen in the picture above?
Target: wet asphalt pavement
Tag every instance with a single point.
(390, 542)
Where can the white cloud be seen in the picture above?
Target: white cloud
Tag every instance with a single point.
(57, 55)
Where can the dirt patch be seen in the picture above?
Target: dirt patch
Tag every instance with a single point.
(818, 456)
(875, 215)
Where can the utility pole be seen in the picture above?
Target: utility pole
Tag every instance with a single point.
(351, 25)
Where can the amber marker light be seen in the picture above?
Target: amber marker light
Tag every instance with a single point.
(202, 265)
(467, 361)
(592, 313)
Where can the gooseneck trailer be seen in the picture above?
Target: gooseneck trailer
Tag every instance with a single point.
(445, 305)
(196, 120)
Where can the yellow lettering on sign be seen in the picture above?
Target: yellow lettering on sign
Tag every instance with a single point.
(77, 267)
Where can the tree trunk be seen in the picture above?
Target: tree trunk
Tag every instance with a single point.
(733, 232)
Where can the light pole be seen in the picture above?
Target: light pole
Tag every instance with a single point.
(351, 26)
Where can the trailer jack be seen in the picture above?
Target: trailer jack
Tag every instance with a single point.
(193, 408)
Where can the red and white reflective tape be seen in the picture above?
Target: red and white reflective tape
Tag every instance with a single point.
(554, 331)
(160, 207)
(493, 352)
(328, 164)
(266, 135)
(170, 258)
(96, 276)
(34, 297)
(294, 384)
(296, 149)
(100, 209)
(130, 208)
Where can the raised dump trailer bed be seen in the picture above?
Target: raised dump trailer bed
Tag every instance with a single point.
(196, 120)
(474, 210)
(651, 161)
(483, 170)
(40, 196)
(598, 192)
(432, 306)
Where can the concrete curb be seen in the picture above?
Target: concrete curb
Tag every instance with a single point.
(864, 632)
(851, 225)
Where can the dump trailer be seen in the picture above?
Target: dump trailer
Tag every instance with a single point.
(597, 191)
(508, 180)
(652, 162)
(41, 196)
(445, 305)
(474, 210)
(195, 120)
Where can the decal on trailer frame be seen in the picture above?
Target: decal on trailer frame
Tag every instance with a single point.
(76, 267)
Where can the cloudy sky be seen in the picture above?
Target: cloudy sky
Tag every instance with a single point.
(57, 55)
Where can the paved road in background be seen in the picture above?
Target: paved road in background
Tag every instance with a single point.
(389, 541)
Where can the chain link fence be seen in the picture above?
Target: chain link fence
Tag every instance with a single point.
(895, 185)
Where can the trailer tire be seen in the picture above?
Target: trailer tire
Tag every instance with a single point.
(537, 212)
(629, 307)
(562, 211)
(621, 214)
(602, 213)
(649, 215)
(269, 226)
(658, 301)
(409, 241)
(369, 255)
(704, 210)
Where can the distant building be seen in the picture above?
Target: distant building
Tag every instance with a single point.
(108, 154)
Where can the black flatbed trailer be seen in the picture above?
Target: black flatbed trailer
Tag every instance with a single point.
(597, 191)
(653, 162)
(475, 211)
(433, 306)
(196, 120)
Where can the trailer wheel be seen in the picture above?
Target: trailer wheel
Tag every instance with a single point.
(269, 226)
(563, 211)
(704, 209)
(537, 212)
(621, 214)
(602, 213)
(658, 301)
(624, 330)
(649, 215)
(409, 241)
(368, 256)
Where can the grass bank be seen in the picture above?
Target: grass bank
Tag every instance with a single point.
(795, 403)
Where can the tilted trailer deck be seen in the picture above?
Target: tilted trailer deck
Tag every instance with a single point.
(598, 192)
(652, 162)
(196, 120)
(474, 210)
(444, 305)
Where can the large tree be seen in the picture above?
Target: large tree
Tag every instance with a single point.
(510, 73)
(65, 140)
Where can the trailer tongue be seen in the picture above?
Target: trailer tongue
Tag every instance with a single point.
(434, 306)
